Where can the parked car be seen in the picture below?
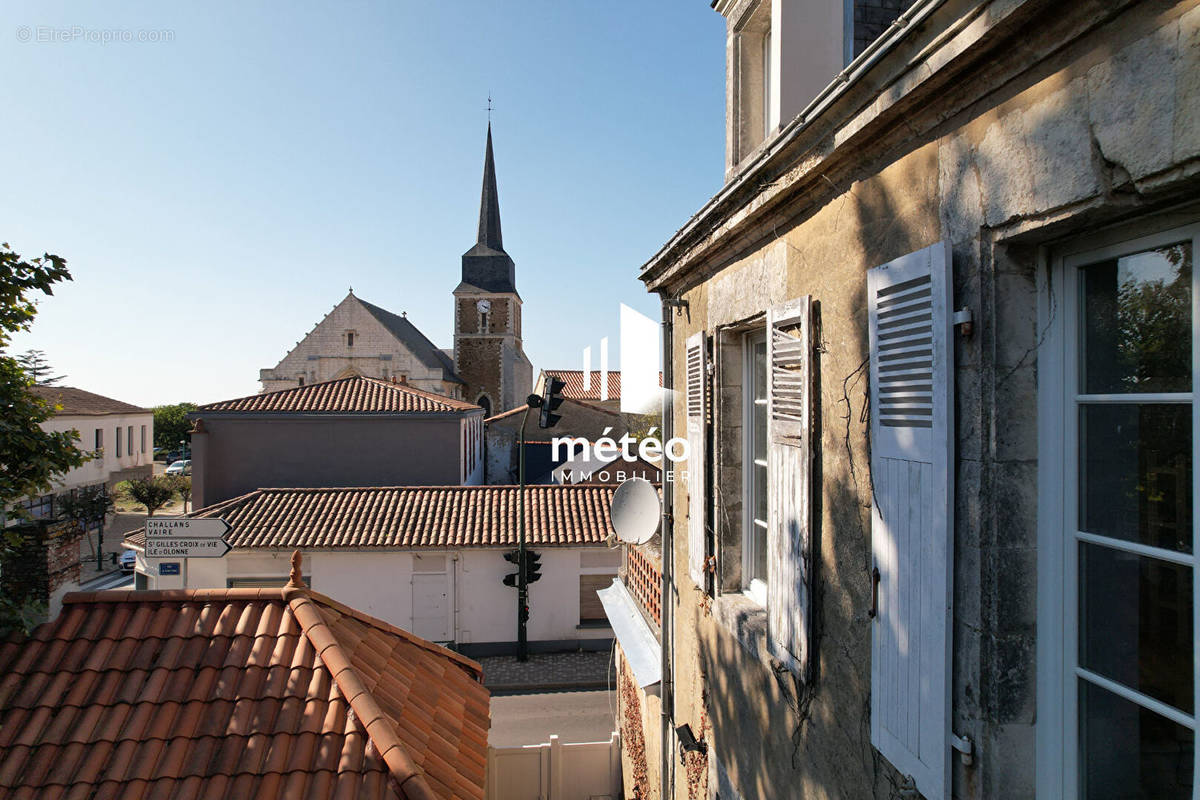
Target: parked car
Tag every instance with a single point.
(128, 560)
(183, 467)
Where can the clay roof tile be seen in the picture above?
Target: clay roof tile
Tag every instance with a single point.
(281, 698)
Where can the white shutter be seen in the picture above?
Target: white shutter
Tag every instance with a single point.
(912, 528)
(789, 483)
(695, 434)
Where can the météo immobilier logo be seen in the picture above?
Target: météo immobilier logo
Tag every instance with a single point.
(641, 394)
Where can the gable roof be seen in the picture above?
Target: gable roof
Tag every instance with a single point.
(410, 517)
(81, 403)
(353, 395)
(236, 693)
(417, 343)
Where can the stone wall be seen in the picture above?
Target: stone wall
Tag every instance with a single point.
(44, 566)
(323, 354)
(1068, 121)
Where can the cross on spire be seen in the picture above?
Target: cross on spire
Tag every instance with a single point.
(489, 109)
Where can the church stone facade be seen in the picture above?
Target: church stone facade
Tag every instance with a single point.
(487, 365)
(360, 338)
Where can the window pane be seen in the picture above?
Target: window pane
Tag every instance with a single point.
(1135, 473)
(1136, 322)
(1135, 622)
(1129, 752)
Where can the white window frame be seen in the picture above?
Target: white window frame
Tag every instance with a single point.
(754, 586)
(1058, 585)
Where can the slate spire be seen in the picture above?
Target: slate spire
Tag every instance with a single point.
(489, 203)
(486, 267)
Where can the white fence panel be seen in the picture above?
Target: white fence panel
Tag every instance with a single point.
(556, 771)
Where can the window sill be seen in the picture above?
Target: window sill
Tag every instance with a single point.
(746, 621)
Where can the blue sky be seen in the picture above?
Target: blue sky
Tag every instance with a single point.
(216, 193)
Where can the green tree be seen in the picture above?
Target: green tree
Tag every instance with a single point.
(30, 458)
(37, 367)
(85, 506)
(153, 493)
(171, 424)
(181, 485)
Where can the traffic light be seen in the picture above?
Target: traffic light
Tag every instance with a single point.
(551, 400)
(512, 557)
(524, 614)
(533, 566)
(533, 563)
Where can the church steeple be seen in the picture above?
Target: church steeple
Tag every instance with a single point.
(486, 267)
(489, 203)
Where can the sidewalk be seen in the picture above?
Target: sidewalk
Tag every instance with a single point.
(548, 672)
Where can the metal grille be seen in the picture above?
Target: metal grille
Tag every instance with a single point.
(904, 332)
(695, 380)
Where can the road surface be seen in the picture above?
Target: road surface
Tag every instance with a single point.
(521, 719)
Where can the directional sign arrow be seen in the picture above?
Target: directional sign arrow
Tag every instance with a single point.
(186, 548)
(185, 528)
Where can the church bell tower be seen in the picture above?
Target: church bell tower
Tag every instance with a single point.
(488, 355)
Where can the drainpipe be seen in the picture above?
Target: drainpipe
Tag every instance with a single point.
(666, 526)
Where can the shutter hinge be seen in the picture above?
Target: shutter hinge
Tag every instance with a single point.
(963, 318)
(965, 748)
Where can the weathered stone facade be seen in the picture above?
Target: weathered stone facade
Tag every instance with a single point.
(1007, 128)
(358, 338)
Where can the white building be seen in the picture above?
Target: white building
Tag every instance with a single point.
(120, 434)
(426, 559)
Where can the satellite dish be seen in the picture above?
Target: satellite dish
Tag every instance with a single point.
(635, 511)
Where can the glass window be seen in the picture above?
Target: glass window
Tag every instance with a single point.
(1136, 322)
(754, 561)
(118, 438)
(143, 442)
(129, 440)
(1132, 522)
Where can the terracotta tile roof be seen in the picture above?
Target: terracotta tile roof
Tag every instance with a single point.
(79, 402)
(236, 693)
(573, 378)
(404, 517)
(353, 395)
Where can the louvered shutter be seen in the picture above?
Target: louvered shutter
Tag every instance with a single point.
(912, 433)
(695, 436)
(789, 483)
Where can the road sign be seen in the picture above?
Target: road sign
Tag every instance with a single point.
(186, 548)
(168, 568)
(185, 528)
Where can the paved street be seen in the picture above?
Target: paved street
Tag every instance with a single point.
(530, 718)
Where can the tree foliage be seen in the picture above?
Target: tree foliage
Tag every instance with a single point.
(181, 485)
(84, 506)
(38, 368)
(30, 458)
(153, 493)
(171, 424)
